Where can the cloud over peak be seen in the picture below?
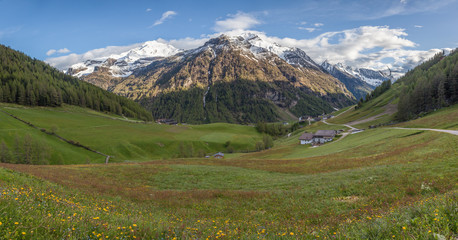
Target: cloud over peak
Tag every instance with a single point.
(54, 51)
(164, 17)
(238, 21)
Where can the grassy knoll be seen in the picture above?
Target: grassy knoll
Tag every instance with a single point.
(403, 181)
(130, 141)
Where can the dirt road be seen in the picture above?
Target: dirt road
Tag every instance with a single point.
(454, 132)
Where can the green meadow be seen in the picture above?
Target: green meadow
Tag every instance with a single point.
(381, 183)
(133, 141)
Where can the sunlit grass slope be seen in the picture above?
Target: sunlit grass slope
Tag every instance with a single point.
(133, 141)
(371, 108)
(57, 151)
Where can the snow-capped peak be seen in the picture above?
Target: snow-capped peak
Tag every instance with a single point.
(372, 77)
(123, 64)
(261, 46)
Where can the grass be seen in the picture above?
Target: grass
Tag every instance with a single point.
(391, 178)
(129, 141)
(445, 118)
(369, 109)
(377, 184)
(59, 152)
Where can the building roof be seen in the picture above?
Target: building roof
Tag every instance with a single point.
(325, 133)
(306, 136)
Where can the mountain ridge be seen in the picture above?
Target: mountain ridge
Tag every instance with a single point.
(290, 75)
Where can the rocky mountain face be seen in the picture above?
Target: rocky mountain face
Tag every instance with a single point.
(354, 84)
(224, 80)
(370, 76)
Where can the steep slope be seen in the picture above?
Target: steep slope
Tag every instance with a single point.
(355, 85)
(272, 75)
(28, 81)
(370, 76)
(430, 86)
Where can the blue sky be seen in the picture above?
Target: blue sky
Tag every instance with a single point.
(46, 28)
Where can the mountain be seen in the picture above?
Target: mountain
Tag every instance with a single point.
(106, 71)
(354, 84)
(122, 65)
(28, 81)
(240, 78)
(370, 76)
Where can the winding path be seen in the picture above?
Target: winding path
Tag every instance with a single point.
(387, 111)
(454, 132)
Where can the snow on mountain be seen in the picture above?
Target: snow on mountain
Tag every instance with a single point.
(372, 77)
(122, 65)
(260, 47)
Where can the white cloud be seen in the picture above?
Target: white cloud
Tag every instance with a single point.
(186, 43)
(53, 51)
(302, 23)
(376, 47)
(350, 45)
(149, 9)
(239, 21)
(403, 1)
(165, 16)
(63, 50)
(65, 62)
(318, 24)
(310, 29)
(418, 26)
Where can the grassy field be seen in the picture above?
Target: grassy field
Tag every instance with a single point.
(130, 141)
(392, 178)
(377, 184)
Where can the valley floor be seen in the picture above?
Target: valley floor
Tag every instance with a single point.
(381, 183)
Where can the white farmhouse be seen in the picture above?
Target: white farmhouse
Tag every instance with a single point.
(306, 138)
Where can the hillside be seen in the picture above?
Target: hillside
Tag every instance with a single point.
(208, 83)
(425, 89)
(430, 86)
(31, 82)
(123, 140)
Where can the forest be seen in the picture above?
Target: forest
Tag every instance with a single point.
(31, 82)
(430, 86)
(239, 101)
